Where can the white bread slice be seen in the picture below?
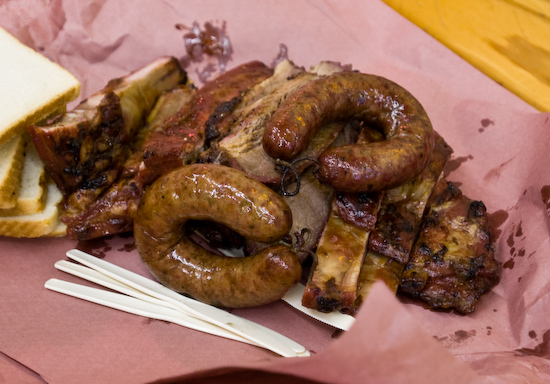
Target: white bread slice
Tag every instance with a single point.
(32, 87)
(39, 224)
(32, 191)
(12, 154)
(59, 231)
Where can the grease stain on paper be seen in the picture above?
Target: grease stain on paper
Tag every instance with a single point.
(515, 241)
(519, 231)
(454, 163)
(100, 247)
(485, 123)
(541, 350)
(496, 219)
(96, 247)
(456, 338)
(494, 173)
(128, 247)
(545, 194)
(148, 321)
(509, 264)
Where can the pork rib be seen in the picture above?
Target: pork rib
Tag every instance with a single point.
(452, 264)
(113, 210)
(398, 225)
(86, 148)
(174, 135)
(404, 206)
(332, 284)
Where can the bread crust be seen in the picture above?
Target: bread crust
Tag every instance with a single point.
(33, 87)
(39, 224)
(12, 155)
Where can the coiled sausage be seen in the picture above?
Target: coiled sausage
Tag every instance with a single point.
(227, 196)
(351, 95)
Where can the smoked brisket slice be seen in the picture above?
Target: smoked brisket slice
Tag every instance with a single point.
(310, 209)
(242, 147)
(183, 137)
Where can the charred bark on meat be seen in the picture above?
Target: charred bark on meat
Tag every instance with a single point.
(452, 264)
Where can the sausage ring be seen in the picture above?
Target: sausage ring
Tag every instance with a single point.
(352, 95)
(227, 196)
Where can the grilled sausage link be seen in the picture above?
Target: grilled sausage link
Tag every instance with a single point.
(351, 95)
(229, 197)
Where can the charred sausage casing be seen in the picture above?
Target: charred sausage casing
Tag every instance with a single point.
(350, 95)
(229, 197)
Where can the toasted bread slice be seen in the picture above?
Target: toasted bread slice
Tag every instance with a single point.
(33, 87)
(32, 191)
(39, 224)
(12, 155)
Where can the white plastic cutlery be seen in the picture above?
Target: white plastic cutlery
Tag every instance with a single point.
(149, 291)
(138, 307)
(106, 281)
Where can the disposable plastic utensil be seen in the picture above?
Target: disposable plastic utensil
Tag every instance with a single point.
(99, 278)
(138, 307)
(259, 335)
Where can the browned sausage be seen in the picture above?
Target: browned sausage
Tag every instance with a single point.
(227, 196)
(351, 95)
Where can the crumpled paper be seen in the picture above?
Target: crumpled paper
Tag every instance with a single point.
(500, 154)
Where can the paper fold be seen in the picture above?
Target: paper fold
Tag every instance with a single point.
(501, 151)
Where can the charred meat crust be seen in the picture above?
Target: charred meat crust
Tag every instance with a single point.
(86, 155)
(452, 264)
(113, 210)
(105, 170)
(156, 151)
(356, 208)
(333, 279)
(86, 148)
(182, 137)
(403, 207)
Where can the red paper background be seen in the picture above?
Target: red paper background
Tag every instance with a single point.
(501, 151)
